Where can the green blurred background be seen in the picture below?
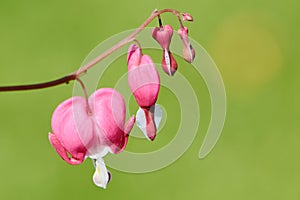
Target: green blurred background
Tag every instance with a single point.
(255, 45)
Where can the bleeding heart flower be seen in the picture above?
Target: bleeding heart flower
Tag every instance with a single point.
(144, 82)
(91, 128)
(188, 50)
(163, 36)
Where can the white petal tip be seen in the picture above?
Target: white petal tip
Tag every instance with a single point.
(101, 176)
(168, 61)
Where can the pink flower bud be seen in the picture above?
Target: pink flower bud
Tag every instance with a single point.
(163, 37)
(187, 17)
(188, 50)
(79, 132)
(144, 82)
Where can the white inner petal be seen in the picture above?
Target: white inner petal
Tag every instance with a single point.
(99, 152)
(168, 62)
(141, 120)
(101, 176)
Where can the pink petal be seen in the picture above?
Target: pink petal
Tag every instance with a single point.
(144, 82)
(129, 125)
(73, 128)
(150, 124)
(163, 35)
(63, 153)
(109, 109)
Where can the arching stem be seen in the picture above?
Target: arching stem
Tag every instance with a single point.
(75, 75)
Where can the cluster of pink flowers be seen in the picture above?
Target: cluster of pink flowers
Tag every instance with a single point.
(92, 127)
(163, 36)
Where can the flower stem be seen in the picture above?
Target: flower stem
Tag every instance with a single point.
(86, 96)
(85, 68)
(159, 22)
(65, 79)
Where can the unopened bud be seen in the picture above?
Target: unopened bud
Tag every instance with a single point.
(188, 50)
(187, 17)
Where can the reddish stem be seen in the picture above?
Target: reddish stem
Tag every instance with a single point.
(59, 81)
(89, 110)
(82, 70)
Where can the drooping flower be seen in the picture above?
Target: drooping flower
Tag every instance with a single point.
(188, 50)
(163, 36)
(91, 128)
(144, 82)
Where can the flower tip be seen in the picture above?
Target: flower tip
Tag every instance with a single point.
(169, 72)
(187, 17)
(150, 123)
(189, 54)
(152, 137)
(150, 132)
(101, 176)
(129, 125)
(148, 120)
(155, 11)
(169, 63)
(134, 53)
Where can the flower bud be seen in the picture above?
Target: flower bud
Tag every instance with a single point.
(188, 50)
(187, 17)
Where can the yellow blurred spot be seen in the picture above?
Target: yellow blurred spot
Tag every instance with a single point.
(246, 52)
